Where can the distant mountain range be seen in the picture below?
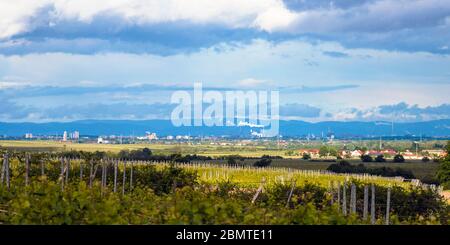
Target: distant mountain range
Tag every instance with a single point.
(437, 128)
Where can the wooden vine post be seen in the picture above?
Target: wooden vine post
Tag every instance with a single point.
(2, 177)
(388, 204)
(124, 177)
(42, 167)
(353, 199)
(27, 169)
(8, 181)
(115, 175)
(67, 170)
(81, 171)
(339, 195)
(290, 193)
(372, 206)
(260, 189)
(5, 170)
(61, 176)
(344, 199)
(131, 175)
(91, 173)
(366, 202)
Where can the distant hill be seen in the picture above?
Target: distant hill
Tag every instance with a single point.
(437, 128)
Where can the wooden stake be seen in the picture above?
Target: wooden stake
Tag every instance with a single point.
(344, 199)
(124, 178)
(259, 190)
(290, 193)
(339, 195)
(27, 168)
(81, 171)
(2, 178)
(353, 199)
(103, 174)
(388, 204)
(7, 171)
(366, 202)
(115, 175)
(68, 169)
(91, 177)
(131, 176)
(61, 176)
(372, 206)
(42, 168)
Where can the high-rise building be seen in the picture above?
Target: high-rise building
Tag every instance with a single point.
(65, 136)
(75, 135)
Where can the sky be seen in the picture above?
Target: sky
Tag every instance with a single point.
(348, 60)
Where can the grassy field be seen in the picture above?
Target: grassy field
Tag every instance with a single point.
(157, 148)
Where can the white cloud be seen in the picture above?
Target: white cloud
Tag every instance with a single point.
(16, 16)
(20, 16)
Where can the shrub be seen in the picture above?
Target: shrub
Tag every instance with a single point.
(380, 158)
(399, 158)
(366, 158)
(263, 162)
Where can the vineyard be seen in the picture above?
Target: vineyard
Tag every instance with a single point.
(48, 188)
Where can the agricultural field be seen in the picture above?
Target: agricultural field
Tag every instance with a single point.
(48, 188)
(423, 171)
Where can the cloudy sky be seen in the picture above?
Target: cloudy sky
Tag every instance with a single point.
(64, 60)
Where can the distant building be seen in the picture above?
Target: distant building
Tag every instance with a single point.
(170, 137)
(314, 153)
(409, 155)
(356, 153)
(28, 136)
(75, 135)
(434, 153)
(151, 136)
(65, 136)
(100, 140)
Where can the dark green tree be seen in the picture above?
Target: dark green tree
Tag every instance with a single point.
(443, 173)
(399, 158)
(380, 158)
(306, 156)
(366, 158)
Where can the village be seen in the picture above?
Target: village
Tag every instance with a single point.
(323, 153)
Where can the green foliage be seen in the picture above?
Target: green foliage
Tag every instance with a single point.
(167, 194)
(265, 161)
(326, 151)
(346, 167)
(443, 173)
(306, 156)
(399, 158)
(380, 158)
(366, 158)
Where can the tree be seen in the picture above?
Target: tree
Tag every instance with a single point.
(265, 161)
(366, 158)
(443, 173)
(399, 158)
(231, 161)
(306, 156)
(332, 151)
(323, 151)
(380, 158)
(425, 159)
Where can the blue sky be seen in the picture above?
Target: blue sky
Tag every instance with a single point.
(64, 60)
